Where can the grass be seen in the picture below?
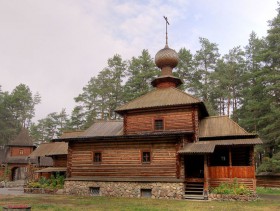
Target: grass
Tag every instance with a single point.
(272, 191)
(62, 202)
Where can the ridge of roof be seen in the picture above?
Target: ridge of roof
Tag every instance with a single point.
(130, 105)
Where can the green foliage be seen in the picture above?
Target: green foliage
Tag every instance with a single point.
(16, 111)
(272, 191)
(141, 71)
(55, 182)
(50, 127)
(270, 164)
(231, 188)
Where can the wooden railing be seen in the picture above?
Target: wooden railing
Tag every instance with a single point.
(231, 172)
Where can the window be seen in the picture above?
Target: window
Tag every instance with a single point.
(21, 151)
(158, 124)
(146, 193)
(241, 156)
(220, 157)
(146, 157)
(97, 157)
(94, 191)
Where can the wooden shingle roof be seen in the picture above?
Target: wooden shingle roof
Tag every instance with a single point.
(160, 98)
(71, 134)
(217, 126)
(49, 149)
(22, 139)
(104, 128)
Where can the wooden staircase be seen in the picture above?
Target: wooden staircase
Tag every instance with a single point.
(194, 190)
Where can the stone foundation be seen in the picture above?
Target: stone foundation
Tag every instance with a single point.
(159, 190)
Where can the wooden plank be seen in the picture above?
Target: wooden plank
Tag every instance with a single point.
(124, 160)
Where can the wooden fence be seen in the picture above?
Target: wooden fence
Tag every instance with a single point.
(268, 180)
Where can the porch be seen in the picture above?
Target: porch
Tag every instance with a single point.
(212, 165)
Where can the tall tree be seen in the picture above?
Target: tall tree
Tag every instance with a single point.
(185, 69)
(104, 93)
(141, 71)
(22, 105)
(253, 102)
(271, 80)
(205, 61)
(228, 77)
(50, 127)
(8, 126)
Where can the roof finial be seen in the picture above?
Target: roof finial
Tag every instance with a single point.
(166, 30)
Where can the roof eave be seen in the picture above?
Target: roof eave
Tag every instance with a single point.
(125, 137)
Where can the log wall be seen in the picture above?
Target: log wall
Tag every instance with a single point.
(122, 159)
(60, 161)
(178, 119)
(272, 181)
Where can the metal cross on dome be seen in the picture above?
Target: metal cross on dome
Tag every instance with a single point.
(166, 29)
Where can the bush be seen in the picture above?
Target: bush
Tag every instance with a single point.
(231, 188)
(55, 182)
(270, 164)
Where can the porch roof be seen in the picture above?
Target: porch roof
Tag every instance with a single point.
(203, 147)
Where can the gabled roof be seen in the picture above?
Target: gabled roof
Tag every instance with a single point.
(49, 149)
(160, 97)
(104, 128)
(22, 139)
(218, 126)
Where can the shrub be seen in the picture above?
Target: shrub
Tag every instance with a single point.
(270, 164)
(55, 182)
(231, 188)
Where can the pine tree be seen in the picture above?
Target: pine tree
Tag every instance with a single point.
(141, 71)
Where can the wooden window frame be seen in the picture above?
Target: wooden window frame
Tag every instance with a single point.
(142, 156)
(154, 124)
(21, 152)
(93, 157)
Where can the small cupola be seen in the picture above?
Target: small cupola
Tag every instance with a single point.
(166, 59)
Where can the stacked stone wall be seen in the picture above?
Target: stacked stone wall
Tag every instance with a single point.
(159, 190)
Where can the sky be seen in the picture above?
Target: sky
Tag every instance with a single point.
(55, 46)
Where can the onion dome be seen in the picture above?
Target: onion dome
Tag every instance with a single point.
(166, 57)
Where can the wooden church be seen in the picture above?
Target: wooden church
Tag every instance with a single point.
(165, 146)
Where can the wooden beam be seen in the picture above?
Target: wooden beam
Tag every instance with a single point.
(206, 186)
(230, 162)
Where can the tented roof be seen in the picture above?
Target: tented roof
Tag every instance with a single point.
(22, 139)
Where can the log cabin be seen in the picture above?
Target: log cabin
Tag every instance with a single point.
(51, 158)
(165, 146)
(55, 153)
